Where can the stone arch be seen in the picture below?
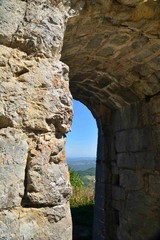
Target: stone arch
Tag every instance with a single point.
(113, 60)
(117, 78)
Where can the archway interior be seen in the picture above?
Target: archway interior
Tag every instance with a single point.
(81, 148)
(114, 65)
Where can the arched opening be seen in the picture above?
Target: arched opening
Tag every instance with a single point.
(113, 51)
(81, 151)
(107, 60)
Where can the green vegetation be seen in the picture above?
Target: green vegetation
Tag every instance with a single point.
(75, 179)
(82, 203)
(90, 171)
(88, 176)
(82, 197)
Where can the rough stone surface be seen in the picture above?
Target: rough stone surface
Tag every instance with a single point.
(35, 115)
(118, 49)
(13, 158)
(130, 2)
(113, 52)
(32, 223)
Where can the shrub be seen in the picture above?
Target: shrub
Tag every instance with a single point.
(75, 179)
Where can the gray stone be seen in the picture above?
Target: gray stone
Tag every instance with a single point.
(132, 180)
(137, 160)
(130, 2)
(106, 52)
(118, 205)
(121, 141)
(24, 223)
(138, 139)
(121, 39)
(13, 159)
(95, 42)
(154, 183)
(145, 160)
(47, 184)
(14, 10)
(36, 103)
(138, 203)
(118, 193)
(126, 160)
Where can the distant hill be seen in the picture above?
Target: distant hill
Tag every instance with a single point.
(81, 163)
(89, 172)
(88, 176)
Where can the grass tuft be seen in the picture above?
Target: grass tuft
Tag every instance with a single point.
(82, 196)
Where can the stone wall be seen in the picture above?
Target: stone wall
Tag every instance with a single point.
(127, 200)
(35, 115)
(135, 194)
(112, 49)
(114, 71)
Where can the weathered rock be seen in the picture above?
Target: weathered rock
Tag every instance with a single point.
(35, 115)
(32, 223)
(131, 180)
(12, 14)
(48, 184)
(13, 159)
(32, 95)
(112, 49)
(130, 2)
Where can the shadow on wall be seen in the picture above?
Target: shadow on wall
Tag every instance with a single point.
(156, 237)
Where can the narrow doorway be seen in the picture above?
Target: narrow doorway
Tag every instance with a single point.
(81, 151)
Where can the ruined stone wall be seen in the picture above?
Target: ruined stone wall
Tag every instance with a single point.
(116, 74)
(135, 170)
(35, 114)
(114, 58)
(127, 203)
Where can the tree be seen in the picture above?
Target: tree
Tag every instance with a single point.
(75, 179)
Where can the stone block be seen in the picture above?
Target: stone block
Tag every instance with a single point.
(126, 160)
(132, 180)
(95, 42)
(32, 223)
(138, 203)
(138, 139)
(136, 160)
(154, 184)
(116, 120)
(106, 52)
(156, 137)
(144, 54)
(115, 179)
(102, 172)
(121, 141)
(99, 213)
(14, 10)
(47, 185)
(13, 159)
(101, 188)
(145, 160)
(115, 170)
(132, 140)
(130, 2)
(123, 233)
(99, 230)
(122, 39)
(126, 118)
(119, 205)
(118, 193)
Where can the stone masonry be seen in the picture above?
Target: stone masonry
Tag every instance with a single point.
(114, 60)
(35, 115)
(112, 49)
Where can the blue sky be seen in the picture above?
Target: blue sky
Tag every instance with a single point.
(82, 140)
